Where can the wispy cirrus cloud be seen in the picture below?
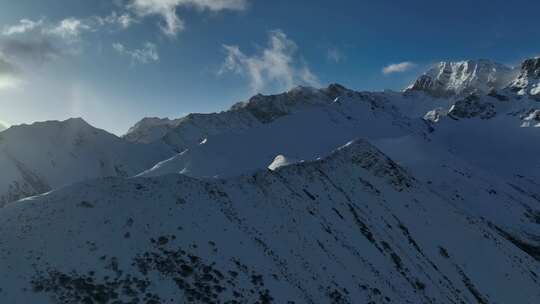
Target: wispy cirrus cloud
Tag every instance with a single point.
(147, 54)
(24, 25)
(276, 67)
(334, 54)
(398, 67)
(68, 28)
(167, 9)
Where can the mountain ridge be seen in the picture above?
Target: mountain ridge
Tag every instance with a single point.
(350, 227)
(310, 196)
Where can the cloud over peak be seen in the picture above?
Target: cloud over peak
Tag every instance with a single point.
(167, 10)
(398, 67)
(276, 66)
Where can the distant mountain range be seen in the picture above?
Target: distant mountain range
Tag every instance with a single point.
(430, 195)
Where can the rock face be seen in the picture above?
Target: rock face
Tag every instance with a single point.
(354, 227)
(472, 106)
(528, 81)
(448, 79)
(531, 118)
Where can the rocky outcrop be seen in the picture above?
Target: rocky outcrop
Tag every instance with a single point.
(472, 106)
(447, 79)
(528, 81)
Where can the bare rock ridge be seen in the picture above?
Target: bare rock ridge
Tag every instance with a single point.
(447, 79)
(528, 81)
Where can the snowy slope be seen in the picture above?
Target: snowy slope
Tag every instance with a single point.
(189, 131)
(482, 154)
(439, 202)
(470, 151)
(447, 79)
(354, 227)
(307, 133)
(43, 156)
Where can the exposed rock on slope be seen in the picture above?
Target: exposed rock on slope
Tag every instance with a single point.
(528, 81)
(352, 228)
(448, 79)
(313, 127)
(189, 131)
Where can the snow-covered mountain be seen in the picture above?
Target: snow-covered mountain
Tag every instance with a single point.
(44, 156)
(528, 81)
(454, 150)
(447, 79)
(311, 196)
(2, 127)
(193, 129)
(304, 131)
(150, 129)
(354, 227)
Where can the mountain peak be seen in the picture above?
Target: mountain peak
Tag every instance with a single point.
(73, 124)
(150, 129)
(447, 79)
(528, 80)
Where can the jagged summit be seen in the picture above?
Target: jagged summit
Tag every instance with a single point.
(296, 96)
(447, 79)
(528, 80)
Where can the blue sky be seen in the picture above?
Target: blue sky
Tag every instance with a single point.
(113, 62)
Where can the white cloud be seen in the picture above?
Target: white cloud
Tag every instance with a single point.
(334, 54)
(147, 54)
(398, 67)
(24, 25)
(274, 68)
(70, 28)
(123, 21)
(167, 10)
